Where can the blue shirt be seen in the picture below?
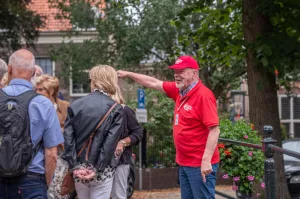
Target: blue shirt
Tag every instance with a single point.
(44, 124)
(189, 88)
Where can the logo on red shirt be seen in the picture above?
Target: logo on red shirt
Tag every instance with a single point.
(187, 107)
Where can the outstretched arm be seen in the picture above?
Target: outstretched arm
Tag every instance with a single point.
(145, 80)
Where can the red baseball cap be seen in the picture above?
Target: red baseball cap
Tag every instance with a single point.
(185, 62)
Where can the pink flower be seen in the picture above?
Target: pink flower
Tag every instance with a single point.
(258, 194)
(250, 178)
(236, 178)
(246, 136)
(250, 153)
(262, 185)
(225, 176)
(235, 188)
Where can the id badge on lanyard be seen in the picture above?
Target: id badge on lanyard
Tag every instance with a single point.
(176, 118)
(177, 114)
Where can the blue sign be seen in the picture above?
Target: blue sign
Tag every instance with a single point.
(141, 98)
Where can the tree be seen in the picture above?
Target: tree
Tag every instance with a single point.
(129, 32)
(213, 34)
(17, 23)
(264, 21)
(270, 36)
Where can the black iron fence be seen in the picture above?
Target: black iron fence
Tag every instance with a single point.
(157, 150)
(268, 148)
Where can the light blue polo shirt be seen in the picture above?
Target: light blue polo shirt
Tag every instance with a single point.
(44, 124)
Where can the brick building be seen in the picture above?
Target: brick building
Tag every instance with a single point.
(52, 35)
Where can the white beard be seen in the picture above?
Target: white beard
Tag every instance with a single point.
(33, 82)
(179, 85)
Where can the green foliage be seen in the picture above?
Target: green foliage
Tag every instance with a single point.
(17, 22)
(222, 47)
(160, 146)
(76, 58)
(240, 161)
(129, 32)
(280, 48)
(283, 132)
(135, 31)
(214, 36)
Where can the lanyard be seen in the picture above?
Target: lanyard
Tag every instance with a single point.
(182, 104)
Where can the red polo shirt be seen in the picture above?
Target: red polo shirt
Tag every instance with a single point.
(193, 114)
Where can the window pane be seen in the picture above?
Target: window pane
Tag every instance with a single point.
(81, 83)
(297, 130)
(45, 64)
(285, 108)
(296, 108)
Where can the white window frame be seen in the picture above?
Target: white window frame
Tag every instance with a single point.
(71, 86)
(52, 62)
(291, 121)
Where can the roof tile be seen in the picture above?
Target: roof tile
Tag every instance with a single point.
(42, 7)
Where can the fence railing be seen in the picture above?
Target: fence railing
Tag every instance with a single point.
(268, 148)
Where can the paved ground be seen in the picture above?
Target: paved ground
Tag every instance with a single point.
(174, 193)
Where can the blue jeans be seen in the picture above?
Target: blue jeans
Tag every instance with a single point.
(29, 186)
(192, 185)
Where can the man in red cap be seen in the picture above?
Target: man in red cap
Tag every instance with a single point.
(195, 126)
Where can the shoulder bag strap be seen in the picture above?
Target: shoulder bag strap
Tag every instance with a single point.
(88, 143)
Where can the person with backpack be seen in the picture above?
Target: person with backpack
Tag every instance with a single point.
(29, 133)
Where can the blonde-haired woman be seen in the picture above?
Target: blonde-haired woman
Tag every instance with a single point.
(49, 86)
(132, 134)
(94, 168)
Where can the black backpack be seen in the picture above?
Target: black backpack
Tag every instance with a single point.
(16, 148)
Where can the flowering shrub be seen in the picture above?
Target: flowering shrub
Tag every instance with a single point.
(244, 165)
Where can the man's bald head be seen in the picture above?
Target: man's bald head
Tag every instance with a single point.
(21, 64)
(22, 59)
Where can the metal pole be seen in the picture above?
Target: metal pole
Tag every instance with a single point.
(140, 167)
(269, 167)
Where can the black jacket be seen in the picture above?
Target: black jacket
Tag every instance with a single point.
(131, 129)
(83, 117)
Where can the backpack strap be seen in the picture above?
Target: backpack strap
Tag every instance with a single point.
(3, 96)
(26, 97)
(23, 99)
